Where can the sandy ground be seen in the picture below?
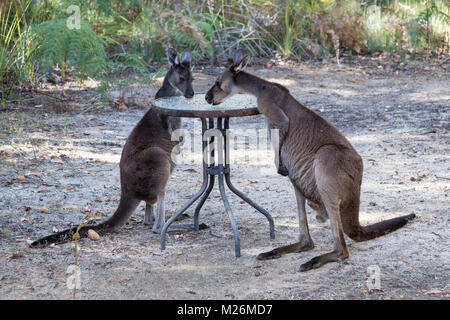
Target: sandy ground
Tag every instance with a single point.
(67, 162)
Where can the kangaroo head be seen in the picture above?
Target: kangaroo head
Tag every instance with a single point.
(225, 85)
(179, 78)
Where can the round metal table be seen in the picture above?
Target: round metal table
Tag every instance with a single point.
(215, 123)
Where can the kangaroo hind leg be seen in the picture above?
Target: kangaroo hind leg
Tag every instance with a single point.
(329, 185)
(149, 217)
(305, 242)
(160, 218)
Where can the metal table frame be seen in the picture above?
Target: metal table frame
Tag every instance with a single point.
(221, 170)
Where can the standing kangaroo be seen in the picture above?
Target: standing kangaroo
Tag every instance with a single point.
(322, 165)
(145, 164)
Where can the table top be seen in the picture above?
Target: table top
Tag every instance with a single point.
(239, 105)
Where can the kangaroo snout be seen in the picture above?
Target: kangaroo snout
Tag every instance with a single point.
(189, 95)
(189, 91)
(209, 97)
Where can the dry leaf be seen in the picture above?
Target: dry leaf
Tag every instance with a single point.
(122, 107)
(93, 235)
(44, 209)
(4, 154)
(435, 291)
(353, 80)
(190, 170)
(21, 177)
(69, 188)
(43, 155)
(57, 160)
(252, 181)
(43, 191)
(16, 255)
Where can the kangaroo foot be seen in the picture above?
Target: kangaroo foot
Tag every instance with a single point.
(319, 261)
(278, 252)
(148, 220)
(156, 229)
(273, 254)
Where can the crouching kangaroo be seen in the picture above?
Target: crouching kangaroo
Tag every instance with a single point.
(322, 165)
(145, 164)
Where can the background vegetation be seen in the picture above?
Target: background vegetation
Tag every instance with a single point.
(116, 37)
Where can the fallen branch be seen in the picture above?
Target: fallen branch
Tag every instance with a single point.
(444, 61)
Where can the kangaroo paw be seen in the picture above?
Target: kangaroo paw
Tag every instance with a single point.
(321, 218)
(282, 170)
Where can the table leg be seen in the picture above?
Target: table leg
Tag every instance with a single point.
(237, 242)
(206, 165)
(221, 170)
(239, 193)
(190, 202)
(253, 204)
(202, 201)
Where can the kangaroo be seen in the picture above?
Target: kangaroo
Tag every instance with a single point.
(145, 163)
(322, 165)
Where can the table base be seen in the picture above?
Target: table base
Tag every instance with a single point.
(210, 170)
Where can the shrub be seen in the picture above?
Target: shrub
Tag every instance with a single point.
(56, 45)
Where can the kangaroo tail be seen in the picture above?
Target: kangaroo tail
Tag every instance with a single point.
(363, 233)
(123, 212)
(67, 235)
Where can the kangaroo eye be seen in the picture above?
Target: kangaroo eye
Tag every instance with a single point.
(182, 79)
(218, 84)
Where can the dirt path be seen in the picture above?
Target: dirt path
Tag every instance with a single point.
(399, 123)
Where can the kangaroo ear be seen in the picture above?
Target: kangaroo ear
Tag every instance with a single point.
(240, 60)
(172, 56)
(186, 57)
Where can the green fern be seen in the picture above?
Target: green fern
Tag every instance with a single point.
(78, 49)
